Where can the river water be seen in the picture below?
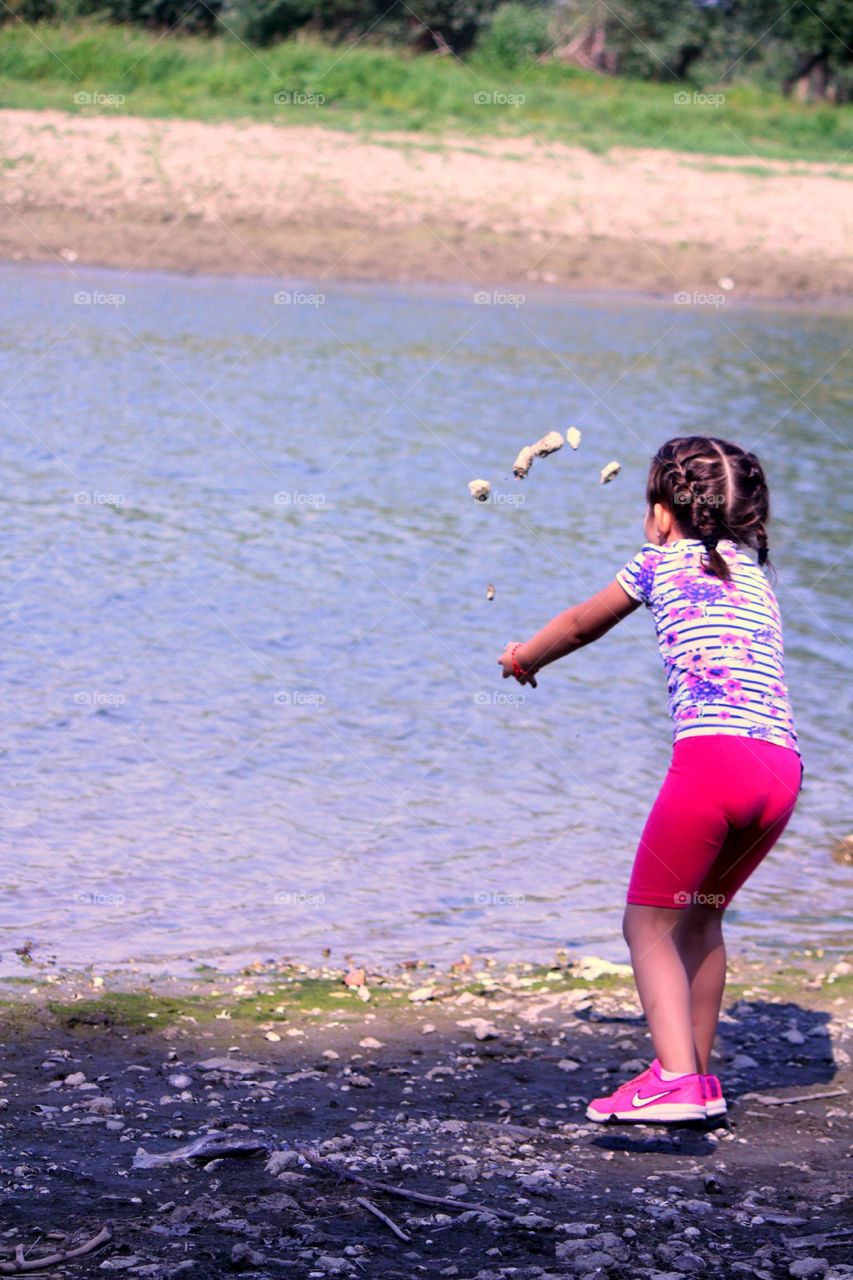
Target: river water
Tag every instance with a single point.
(251, 706)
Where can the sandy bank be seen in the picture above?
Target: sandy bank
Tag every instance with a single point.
(317, 203)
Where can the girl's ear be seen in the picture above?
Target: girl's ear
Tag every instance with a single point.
(663, 520)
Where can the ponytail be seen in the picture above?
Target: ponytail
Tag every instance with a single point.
(716, 563)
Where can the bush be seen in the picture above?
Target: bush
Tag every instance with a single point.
(517, 34)
(178, 15)
(263, 21)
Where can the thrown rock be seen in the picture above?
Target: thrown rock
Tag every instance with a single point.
(548, 444)
(573, 437)
(479, 489)
(610, 472)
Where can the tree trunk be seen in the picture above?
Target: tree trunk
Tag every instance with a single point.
(804, 68)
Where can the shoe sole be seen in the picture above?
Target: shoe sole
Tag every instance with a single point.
(718, 1108)
(671, 1112)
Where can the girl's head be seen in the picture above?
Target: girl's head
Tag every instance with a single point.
(700, 487)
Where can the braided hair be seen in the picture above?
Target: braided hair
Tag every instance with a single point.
(714, 490)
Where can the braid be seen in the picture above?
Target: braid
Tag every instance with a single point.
(715, 490)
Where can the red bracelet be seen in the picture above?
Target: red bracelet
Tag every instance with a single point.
(517, 671)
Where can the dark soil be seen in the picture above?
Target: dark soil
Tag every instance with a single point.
(401, 1093)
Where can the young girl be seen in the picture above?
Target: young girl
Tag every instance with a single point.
(735, 772)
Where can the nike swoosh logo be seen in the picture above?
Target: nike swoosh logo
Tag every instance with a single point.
(637, 1101)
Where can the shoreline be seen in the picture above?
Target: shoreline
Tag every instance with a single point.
(208, 985)
(319, 204)
(193, 973)
(472, 1093)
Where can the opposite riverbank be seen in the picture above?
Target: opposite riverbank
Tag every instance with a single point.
(321, 204)
(466, 1089)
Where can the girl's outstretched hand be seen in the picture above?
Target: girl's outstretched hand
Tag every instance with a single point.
(505, 662)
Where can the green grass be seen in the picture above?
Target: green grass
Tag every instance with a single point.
(372, 88)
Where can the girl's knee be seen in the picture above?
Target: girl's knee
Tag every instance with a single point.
(641, 924)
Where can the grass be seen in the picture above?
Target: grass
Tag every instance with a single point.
(285, 996)
(292, 998)
(369, 88)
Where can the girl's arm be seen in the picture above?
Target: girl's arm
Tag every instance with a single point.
(570, 630)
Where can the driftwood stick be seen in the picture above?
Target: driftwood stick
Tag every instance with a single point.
(383, 1217)
(326, 1166)
(821, 1241)
(769, 1100)
(20, 1266)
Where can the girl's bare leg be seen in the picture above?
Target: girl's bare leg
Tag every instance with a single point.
(699, 939)
(663, 984)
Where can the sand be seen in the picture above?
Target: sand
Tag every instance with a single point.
(316, 203)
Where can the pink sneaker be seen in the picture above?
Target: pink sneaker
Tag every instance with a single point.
(648, 1097)
(715, 1103)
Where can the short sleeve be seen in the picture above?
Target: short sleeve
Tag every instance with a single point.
(638, 575)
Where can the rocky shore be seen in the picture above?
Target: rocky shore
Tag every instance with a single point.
(284, 1122)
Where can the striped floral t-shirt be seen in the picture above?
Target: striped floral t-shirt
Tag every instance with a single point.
(721, 642)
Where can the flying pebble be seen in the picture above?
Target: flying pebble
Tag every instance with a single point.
(479, 489)
(490, 592)
(610, 472)
(573, 437)
(548, 444)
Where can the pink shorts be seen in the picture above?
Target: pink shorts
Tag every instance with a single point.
(723, 805)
